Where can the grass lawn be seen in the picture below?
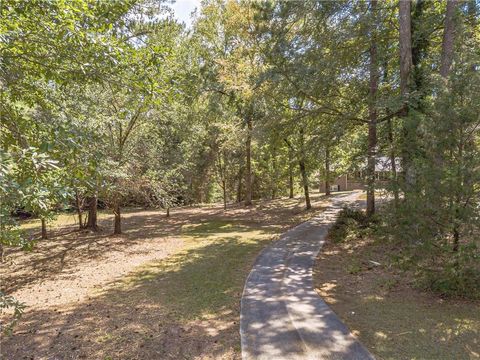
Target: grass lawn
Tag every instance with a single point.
(382, 308)
(168, 288)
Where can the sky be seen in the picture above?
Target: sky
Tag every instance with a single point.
(183, 9)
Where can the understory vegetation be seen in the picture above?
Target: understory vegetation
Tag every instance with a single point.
(108, 105)
(384, 291)
(441, 271)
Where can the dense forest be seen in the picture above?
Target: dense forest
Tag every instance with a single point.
(111, 104)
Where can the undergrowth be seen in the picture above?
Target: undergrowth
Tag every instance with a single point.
(430, 262)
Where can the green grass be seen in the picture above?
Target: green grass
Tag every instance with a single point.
(392, 318)
(63, 219)
(207, 276)
(398, 327)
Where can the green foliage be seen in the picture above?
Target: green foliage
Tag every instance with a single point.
(350, 225)
(9, 303)
(114, 99)
(452, 274)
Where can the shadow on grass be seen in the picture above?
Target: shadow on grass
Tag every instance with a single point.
(184, 306)
(391, 318)
(68, 248)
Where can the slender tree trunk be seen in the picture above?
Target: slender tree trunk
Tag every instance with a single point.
(405, 30)
(92, 213)
(275, 173)
(372, 144)
(290, 173)
(44, 229)
(473, 19)
(372, 123)
(248, 174)
(239, 185)
(168, 212)
(79, 210)
(391, 144)
(393, 164)
(456, 238)
(224, 188)
(405, 49)
(117, 228)
(327, 170)
(448, 38)
(303, 170)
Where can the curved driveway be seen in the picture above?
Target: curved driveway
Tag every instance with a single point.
(282, 317)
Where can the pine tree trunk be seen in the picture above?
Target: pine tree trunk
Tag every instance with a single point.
(44, 229)
(393, 164)
(448, 38)
(405, 43)
(372, 123)
(405, 49)
(248, 174)
(473, 18)
(168, 212)
(117, 228)
(327, 170)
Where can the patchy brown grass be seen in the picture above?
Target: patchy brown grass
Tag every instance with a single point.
(168, 288)
(384, 310)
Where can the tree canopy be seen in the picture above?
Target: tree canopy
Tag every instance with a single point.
(114, 103)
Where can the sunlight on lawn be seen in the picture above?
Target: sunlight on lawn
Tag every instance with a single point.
(60, 220)
(207, 275)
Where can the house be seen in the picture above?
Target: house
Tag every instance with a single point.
(356, 180)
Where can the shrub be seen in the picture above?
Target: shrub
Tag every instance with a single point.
(454, 274)
(9, 302)
(350, 224)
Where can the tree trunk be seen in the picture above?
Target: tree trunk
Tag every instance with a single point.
(405, 49)
(393, 164)
(117, 228)
(290, 173)
(405, 44)
(275, 173)
(448, 38)
(44, 229)
(372, 122)
(168, 212)
(456, 237)
(92, 213)
(248, 174)
(473, 18)
(391, 144)
(327, 170)
(79, 210)
(224, 187)
(239, 185)
(303, 171)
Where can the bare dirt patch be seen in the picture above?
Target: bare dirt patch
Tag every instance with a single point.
(169, 288)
